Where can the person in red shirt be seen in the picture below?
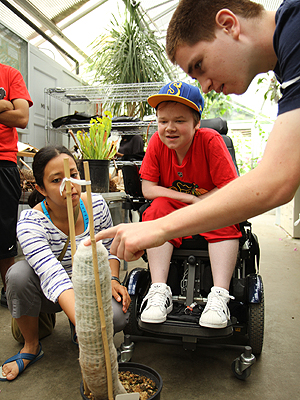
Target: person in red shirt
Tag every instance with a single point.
(14, 113)
(183, 165)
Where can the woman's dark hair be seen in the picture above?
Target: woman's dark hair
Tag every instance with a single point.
(41, 159)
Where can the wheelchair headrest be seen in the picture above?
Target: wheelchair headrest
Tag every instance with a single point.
(218, 124)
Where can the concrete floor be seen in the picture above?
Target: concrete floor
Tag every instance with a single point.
(204, 373)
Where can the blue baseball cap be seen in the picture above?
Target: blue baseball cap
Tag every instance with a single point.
(179, 92)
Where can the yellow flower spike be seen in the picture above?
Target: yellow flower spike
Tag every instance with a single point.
(108, 114)
(96, 144)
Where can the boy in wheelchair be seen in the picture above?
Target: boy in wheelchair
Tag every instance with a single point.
(183, 165)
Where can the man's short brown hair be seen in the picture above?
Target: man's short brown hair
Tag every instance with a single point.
(194, 21)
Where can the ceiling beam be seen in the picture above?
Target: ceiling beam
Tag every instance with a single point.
(36, 28)
(48, 24)
(68, 11)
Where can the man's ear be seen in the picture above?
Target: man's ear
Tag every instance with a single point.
(41, 190)
(228, 21)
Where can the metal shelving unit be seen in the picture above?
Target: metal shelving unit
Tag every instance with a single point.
(105, 93)
(124, 128)
(99, 95)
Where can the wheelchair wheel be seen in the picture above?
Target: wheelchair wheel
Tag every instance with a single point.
(241, 376)
(256, 325)
(132, 327)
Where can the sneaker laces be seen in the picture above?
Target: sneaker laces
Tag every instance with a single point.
(156, 297)
(217, 301)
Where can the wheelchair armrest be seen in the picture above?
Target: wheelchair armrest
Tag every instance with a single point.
(132, 180)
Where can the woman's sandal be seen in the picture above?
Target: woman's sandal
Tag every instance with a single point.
(19, 360)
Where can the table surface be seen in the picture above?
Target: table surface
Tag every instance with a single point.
(108, 197)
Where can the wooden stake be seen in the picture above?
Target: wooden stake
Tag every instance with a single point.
(97, 283)
(70, 207)
(71, 227)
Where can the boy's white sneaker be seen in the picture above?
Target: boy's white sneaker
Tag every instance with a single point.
(157, 304)
(216, 312)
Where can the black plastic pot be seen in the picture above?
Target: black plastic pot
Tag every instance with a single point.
(139, 369)
(99, 173)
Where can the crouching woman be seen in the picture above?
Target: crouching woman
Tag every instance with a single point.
(43, 281)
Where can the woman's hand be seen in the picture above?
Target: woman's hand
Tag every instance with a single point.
(119, 292)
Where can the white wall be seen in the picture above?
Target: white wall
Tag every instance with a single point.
(44, 73)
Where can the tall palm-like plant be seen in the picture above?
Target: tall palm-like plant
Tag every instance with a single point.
(129, 53)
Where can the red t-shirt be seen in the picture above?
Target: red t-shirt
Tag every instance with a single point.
(12, 86)
(206, 165)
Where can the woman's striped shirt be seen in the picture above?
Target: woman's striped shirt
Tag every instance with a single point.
(42, 242)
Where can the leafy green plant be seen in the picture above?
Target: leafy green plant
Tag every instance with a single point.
(96, 145)
(273, 91)
(216, 105)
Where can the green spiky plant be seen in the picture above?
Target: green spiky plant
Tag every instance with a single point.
(129, 53)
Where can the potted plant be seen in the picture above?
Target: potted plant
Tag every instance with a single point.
(98, 149)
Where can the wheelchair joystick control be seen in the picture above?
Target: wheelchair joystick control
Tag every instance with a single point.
(241, 366)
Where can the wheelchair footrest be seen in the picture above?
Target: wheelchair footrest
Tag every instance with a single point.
(185, 314)
(185, 329)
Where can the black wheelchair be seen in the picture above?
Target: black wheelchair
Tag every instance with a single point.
(190, 279)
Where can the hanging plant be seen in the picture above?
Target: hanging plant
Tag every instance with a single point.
(129, 52)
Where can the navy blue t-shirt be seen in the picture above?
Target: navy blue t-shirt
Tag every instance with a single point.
(286, 42)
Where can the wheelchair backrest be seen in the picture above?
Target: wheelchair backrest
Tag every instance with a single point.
(132, 181)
